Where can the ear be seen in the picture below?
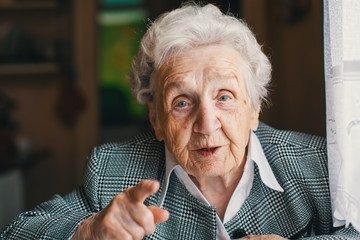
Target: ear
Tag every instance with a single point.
(254, 121)
(154, 122)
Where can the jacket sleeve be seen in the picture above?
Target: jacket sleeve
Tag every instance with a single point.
(59, 217)
(343, 233)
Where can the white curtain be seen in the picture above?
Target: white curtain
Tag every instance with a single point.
(342, 79)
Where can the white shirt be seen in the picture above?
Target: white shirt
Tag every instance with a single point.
(241, 192)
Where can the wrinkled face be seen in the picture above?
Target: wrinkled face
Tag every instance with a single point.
(202, 112)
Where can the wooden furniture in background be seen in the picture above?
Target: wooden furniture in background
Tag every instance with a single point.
(39, 88)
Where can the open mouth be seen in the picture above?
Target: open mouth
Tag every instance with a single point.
(208, 151)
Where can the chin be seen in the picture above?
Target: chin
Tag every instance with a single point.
(210, 170)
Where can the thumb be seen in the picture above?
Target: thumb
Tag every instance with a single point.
(160, 214)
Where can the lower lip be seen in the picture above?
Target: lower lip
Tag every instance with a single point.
(208, 153)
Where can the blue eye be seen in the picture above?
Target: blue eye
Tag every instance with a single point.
(181, 104)
(224, 98)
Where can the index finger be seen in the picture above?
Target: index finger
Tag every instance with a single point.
(143, 190)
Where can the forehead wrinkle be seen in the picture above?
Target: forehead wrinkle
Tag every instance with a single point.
(176, 71)
(176, 81)
(168, 78)
(226, 73)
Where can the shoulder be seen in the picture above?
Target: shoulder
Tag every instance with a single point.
(271, 136)
(139, 157)
(299, 163)
(141, 140)
(142, 145)
(294, 155)
(116, 166)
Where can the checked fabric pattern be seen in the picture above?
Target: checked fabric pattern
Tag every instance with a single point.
(298, 161)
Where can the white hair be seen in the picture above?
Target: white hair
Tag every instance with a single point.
(192, 26)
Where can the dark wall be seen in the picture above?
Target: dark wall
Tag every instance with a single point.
(156, 7)
(293, 38)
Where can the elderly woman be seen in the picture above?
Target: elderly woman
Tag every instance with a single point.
(209, 170)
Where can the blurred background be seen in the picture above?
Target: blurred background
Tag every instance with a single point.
(63, 86)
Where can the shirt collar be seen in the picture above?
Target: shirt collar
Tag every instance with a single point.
(255, 153)
(171, 163)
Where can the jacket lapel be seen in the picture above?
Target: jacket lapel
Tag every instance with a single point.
(267, 211)
(189, 218)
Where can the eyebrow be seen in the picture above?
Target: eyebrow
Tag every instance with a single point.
(172, 84)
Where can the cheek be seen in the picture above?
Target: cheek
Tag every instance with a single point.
(236, 127)
(231, 123)
(177, 133)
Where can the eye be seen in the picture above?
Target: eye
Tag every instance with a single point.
(181, 104)
(224, 98)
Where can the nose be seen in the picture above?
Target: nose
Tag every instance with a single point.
(207, 121)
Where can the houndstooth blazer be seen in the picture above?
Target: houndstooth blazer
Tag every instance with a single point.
(298, 161)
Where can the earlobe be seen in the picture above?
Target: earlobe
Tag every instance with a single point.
(254, 119)
(153, 120)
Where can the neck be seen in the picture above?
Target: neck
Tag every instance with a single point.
(219, 189)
